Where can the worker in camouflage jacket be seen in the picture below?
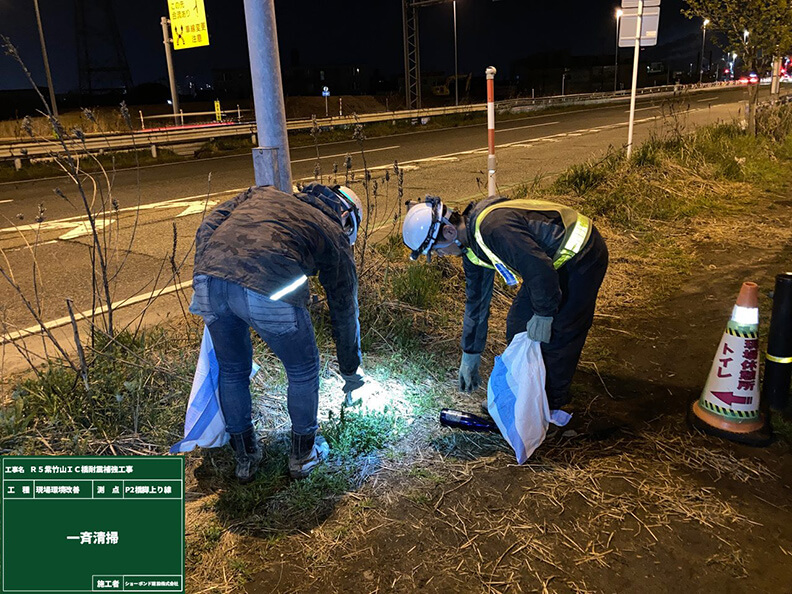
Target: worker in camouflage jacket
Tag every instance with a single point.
(253, 256)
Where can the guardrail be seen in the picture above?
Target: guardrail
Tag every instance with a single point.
(152, 138)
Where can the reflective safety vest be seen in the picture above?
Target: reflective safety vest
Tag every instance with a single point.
(577, 230)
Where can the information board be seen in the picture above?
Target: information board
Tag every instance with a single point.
(92, 524)
(188, 23)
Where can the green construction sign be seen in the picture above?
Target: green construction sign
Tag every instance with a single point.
(92, 524)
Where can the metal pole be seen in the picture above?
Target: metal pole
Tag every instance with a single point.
(53, 104)
(166, 41)
(703, 41)
(456, 61)
(271, 158)
(563, 80)
(492, 189)
(616, 62)
(327, 107)
(636, 56)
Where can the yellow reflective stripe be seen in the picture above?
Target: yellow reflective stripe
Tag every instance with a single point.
(775, 359)
(475, 259)
(577, 239)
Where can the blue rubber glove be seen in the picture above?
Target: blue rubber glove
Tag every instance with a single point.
(469, 378)
(538, 328)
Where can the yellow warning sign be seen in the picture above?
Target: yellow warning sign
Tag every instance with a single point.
(188, 23)
(218, 113)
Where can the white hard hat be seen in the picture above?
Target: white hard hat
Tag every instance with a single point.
(422, 225)
(353, 217)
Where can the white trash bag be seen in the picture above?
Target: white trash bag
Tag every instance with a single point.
(516, 397)
(204, 424)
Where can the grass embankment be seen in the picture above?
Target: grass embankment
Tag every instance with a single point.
(410, 317)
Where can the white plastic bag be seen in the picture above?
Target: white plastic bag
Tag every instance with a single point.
(516, 397)
(204, 424)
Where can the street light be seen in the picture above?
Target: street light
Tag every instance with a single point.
(703, 41)
(456, 62)
(619, 13)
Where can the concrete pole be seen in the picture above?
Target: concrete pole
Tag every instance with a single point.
(166, 41)
(271, 158)
(492, 189)
(703, 44)
(636, 57)
(53, 104)
(619, 14)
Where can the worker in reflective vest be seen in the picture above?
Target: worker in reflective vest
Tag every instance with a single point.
(253, 256)
(557, 253)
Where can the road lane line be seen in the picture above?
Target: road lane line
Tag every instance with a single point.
(5, 201)
(524, 127)
(644, 108)
(711, 98)
(384, 148)
(87, 314)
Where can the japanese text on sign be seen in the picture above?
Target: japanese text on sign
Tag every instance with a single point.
(188, 23)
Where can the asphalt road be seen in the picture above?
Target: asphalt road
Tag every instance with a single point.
(173, 197)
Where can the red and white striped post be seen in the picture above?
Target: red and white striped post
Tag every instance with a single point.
(491, 187)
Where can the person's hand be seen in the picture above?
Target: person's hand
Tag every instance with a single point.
(538, 328)
(353, 381)
(469, 378)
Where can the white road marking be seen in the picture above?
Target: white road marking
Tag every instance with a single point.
(87, 314)
(84, 228)
(711, 98)
(644, 108)
(5, 201)
(524, 127)
(322, 157)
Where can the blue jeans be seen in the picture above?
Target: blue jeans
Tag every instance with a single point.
(229, 311)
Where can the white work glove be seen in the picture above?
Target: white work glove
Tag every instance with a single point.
(469, 378)
(352, 382)
(538, 328)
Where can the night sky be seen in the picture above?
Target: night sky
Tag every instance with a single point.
(329, 32)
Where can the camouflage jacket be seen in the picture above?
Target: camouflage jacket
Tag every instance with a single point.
(267, 240)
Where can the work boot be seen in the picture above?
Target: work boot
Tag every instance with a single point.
(307, 452)
(247, 453)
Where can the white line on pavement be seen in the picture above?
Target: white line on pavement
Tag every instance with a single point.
(643, 108)
(5, 201)
(711, 98)
(524, 127)
(86, 315)
(322, 157)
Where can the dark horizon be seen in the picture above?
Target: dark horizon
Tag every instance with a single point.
(359, 35)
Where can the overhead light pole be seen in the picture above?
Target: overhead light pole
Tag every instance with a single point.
(619, 13)
(53, 105)
(456, 61)
(703, 41)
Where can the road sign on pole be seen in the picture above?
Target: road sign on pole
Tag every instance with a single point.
(188, 23)
(643, 34)
(326, 94)
(218, 111)
(650, 22)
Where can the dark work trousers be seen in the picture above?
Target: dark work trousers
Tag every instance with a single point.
(580, 280)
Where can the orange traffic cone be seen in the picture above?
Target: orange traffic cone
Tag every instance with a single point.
(729, 405)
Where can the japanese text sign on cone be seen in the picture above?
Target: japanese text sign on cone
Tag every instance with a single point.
(729, 403)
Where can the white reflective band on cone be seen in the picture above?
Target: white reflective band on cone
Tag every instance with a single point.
(288, 288)
(745, 316)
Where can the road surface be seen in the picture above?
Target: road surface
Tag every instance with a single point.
(161, 206)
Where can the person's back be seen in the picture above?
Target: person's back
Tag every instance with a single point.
(254, 254)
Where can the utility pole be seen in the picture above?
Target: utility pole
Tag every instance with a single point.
(53, 104)
(271, 158)
(166, 40)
